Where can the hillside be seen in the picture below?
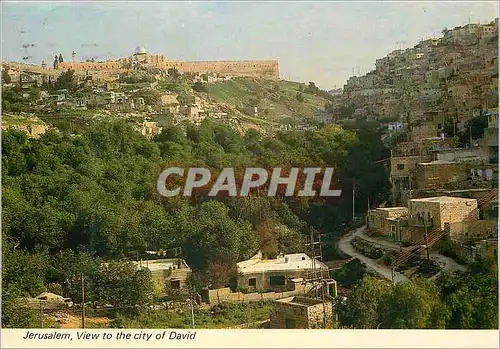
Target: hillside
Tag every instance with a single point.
(441, 80)
(275, 101)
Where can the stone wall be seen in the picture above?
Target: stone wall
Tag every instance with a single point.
(475, 230)
(220, 295)
(438, 175)
(404, 165)
(253, 68)
(425, 130)
(300, 313)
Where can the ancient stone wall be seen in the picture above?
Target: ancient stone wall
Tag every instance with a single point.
(437, 176)
(253, 68)
(475, 230)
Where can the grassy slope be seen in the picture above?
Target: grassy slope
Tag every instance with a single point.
(274, 104)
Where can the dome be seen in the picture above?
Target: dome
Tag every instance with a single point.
(140, 50)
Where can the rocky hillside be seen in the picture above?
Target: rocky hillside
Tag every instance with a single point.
(443, 80)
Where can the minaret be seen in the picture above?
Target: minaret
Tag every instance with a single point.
(73, 56)
(44, 65)
(56, 62)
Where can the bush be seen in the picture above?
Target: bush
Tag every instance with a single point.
(366, 248)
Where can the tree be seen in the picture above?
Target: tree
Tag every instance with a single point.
(122, 284)
(221, 274)
(472, 300)
(299, 97)
(362, 307)
(199, 87)
(173, 73)
(268, 238)
(413, 305)
(66, 81)
(185, 98)
(5, 76)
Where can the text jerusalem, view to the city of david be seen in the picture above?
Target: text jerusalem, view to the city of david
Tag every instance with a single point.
(253, 165)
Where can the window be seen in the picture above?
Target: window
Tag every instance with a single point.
(401, 166)
(393, 228)
(277, 280)
(175, 284)
(289, 323)
(252, 281)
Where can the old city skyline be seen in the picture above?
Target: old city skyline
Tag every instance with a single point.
(176, 29)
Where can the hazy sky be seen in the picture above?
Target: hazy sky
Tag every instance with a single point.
(325, 42)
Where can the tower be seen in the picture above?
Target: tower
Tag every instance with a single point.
(73, 56)
(60, 58)
(56, 62)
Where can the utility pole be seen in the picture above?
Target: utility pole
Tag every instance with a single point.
(190, 301)
(353, 198)
(41, 313)
(83, 302)
(426, 240)
(470, 137)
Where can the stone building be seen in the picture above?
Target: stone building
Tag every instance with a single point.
(277, 274)
(383, 220)
(437, 174)
(442, 210)
(301, 313)
(169, 274)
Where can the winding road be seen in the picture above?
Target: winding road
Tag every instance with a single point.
(346, 247)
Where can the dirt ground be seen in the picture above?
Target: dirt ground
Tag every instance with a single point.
(73, 321)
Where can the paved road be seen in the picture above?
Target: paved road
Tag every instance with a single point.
(448, 263)
(346, 247)
(385, 271)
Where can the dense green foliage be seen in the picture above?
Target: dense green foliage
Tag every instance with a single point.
(219, 316)
(468, 301)
(71, 203)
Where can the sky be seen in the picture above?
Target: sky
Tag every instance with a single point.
(324, 42)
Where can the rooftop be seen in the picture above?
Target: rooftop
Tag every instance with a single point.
(296, 261)
(389, 209)
(444, 199)
(437, 162)
(300, 301)
(163, 264)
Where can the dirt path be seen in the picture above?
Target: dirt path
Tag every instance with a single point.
(346, 247)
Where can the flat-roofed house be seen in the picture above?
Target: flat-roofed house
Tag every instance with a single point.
(381, 220)
(169, 274)
(278, 274)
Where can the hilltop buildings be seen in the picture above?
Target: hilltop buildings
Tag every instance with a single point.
(141, 60)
